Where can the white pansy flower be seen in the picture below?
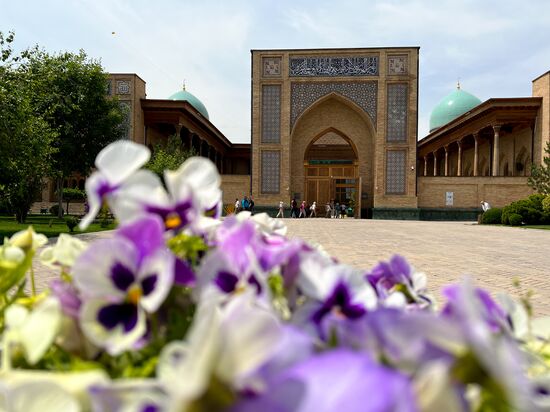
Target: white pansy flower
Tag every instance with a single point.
(64, 252)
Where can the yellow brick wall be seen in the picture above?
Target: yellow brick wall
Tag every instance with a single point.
(235, 187)
(468, 192)
(541, 88)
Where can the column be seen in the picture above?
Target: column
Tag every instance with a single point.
(435, 163)
(496, 151)
(476, 153)
(426, 165)
(446, 160)
(459, 169)
(178, 129)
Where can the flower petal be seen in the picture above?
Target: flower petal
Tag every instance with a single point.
(120, 159)
(201, 175)
(114, 339)
(95, 198)
(161, 265)
(92, 270)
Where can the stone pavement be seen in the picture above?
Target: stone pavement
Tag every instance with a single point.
(445, 251)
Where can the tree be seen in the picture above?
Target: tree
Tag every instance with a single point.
(72, 194)
(168, 156)
(25, 137)
(70, 94)
(540, 175)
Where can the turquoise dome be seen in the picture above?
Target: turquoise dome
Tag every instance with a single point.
(452, 106)
(192, 100)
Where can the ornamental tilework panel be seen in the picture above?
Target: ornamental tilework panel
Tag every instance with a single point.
(122, 87)
(271, 166)
(397, 113)
(271, 113)
(303, 95)
(397, 65)
(396, 172)
(125, 127)
(333, 66)
(272, 66)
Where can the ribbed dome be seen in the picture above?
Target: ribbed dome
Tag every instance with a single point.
(452, 106)
(191, 99)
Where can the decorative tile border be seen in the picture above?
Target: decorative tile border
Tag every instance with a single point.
(333, 66)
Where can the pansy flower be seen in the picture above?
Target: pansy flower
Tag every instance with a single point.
(191, 197)
(115, 164)
(397, 284)
(336, 292)
(120, 280)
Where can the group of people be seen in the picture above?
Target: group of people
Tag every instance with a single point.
(246, 203)
(332, 209)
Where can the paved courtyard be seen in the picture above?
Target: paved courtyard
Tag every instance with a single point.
(445, 251)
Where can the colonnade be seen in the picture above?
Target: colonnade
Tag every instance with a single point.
(192, 140)
(495, 166)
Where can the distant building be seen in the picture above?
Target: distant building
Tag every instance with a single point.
(342, 124)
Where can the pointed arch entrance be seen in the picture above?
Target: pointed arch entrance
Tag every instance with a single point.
(331, 169)
(332, 154)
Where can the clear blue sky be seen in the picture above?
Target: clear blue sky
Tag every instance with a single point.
(495, 47)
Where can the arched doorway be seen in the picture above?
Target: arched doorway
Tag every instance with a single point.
(331, 170)
(332, 153)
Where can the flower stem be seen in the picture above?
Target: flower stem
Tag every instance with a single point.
(33, 286)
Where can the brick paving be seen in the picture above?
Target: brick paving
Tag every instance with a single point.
(445, 251)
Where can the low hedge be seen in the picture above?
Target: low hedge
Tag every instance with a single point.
(492, 216)
(530, 210)
(515, 219)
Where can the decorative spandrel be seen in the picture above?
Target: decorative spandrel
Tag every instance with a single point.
(271, 113)
(271, 171)
(272, 66)
(397, 65)
(396, 177)
(333, 66)
(303, 95)
(397, 113)
(122, 87)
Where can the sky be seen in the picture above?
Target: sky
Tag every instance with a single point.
(495, 47)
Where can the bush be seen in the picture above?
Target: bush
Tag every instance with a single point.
(515, 219)
(71, 223)
(530, 209)
(54, 209)
(546, 204)
(492, 216)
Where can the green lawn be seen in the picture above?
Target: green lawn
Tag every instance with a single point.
(45, 224)
(543, 227)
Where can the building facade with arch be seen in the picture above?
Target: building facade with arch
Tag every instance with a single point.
(335, 124)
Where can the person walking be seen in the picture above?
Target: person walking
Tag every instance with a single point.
(237, 206)
(251, 205)
(303, 209)
(312, 209)
(294, 208)
(328, 211)
(281, 210)
(244, 203)
(342, 210)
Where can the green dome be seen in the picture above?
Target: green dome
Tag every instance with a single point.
(192, 100)
(452, 106)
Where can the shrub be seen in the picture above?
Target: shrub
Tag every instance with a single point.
(71, 223)
(546, 204)
(515, 219)
(54, 209)
(530, 209)
(492, 216)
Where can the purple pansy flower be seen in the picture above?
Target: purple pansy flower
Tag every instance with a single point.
(338, 380)
(193, 192)
(115, 164)
(397, 284)
(120, 280)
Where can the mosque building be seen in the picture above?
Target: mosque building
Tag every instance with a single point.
(342, 124)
